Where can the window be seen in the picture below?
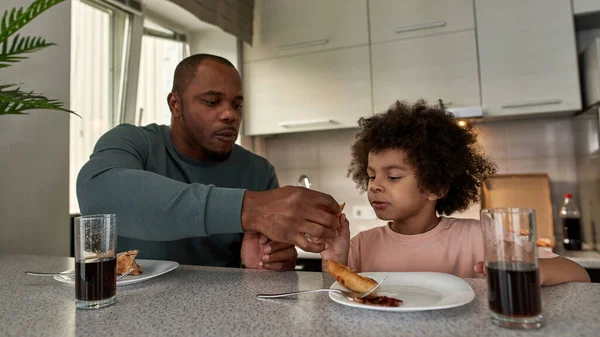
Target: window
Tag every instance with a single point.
(100, 39)
(162, 50)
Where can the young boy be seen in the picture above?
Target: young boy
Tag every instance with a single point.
(416, 162)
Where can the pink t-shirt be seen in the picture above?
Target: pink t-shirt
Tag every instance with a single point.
(454, 246)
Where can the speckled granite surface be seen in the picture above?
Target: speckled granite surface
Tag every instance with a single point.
(201, 301)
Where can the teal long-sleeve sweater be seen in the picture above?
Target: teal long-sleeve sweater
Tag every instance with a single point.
(169, 206)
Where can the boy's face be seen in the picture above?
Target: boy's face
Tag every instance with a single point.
(393, 191)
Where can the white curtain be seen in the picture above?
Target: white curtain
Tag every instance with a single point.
(90, 85)
(158, 60)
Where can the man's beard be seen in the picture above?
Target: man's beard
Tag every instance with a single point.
(214, 155)
(209, 155)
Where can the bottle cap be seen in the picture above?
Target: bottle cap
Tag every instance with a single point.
(568, 195)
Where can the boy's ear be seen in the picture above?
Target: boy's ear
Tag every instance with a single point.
(436, 196)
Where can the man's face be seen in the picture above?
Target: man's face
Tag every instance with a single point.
(209, 112)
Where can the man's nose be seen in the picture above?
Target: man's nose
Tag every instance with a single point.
(229, 114)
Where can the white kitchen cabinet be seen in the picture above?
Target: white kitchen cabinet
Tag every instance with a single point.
(291, 27)
(392, 20)
(441, 66)
(527, 57)
(317, 91)
(585, 6)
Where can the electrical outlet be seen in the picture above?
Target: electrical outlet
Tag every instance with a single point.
(363, 213)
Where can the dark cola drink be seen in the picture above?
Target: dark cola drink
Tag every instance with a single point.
(571, 221)
(95, 280)
(514, 289)
(572, 233)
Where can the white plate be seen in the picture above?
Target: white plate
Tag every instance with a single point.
(418, 291)
(151, 268)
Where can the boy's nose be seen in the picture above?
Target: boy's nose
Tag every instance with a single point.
(375, 187)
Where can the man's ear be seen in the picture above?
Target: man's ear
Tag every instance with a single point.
(174, 102)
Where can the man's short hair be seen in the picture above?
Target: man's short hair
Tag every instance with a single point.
(186, 70)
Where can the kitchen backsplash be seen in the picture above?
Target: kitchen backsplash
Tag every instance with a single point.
(533, 146)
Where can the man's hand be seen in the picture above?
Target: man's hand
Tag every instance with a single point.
(258, 252)
(286, 214)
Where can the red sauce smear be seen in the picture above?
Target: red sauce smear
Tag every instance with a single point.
(382, 301)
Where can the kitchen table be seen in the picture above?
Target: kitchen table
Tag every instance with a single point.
(208, 301)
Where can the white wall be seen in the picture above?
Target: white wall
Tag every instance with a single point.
(34, 149)
(216, 42)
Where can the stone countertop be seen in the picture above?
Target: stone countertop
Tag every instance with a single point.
(207, 301)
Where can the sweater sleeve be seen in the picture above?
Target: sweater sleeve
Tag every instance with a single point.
(150, 206)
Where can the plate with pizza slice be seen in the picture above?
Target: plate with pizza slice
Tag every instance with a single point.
(401, 291)
(143, 269)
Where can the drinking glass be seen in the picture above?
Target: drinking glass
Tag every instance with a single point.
(512, 270)
(95, 261)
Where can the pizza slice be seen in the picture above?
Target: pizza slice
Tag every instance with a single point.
(126, 261)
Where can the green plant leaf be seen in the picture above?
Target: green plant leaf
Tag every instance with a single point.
(20, 46)
(18, 18)
(14, 101)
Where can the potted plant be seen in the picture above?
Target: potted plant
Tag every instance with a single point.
(13, 49)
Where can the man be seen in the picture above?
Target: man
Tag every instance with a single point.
(189, 192)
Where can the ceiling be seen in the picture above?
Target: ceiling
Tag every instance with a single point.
(172, 16)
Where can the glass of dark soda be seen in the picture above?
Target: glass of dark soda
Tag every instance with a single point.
(95, 261)
(512, 270)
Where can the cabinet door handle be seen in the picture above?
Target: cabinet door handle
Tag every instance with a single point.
(298, 124)
(532, 103)
(303, 44)
(420, 26)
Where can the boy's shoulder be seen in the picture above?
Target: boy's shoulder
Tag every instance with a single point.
(468, 228)
(370, 234)
(449, 225)
(451, 222)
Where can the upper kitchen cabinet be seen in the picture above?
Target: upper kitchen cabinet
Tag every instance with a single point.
(392, 20)
(291, 27)
(316, 91)
(433, 67)
(527, 57)
(585, 6)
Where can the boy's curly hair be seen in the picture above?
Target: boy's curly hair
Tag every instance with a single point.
(445, 157)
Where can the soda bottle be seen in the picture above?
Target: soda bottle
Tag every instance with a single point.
(571, 222)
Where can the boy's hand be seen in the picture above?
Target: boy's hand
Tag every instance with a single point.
(479, 268)
(336, 249)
